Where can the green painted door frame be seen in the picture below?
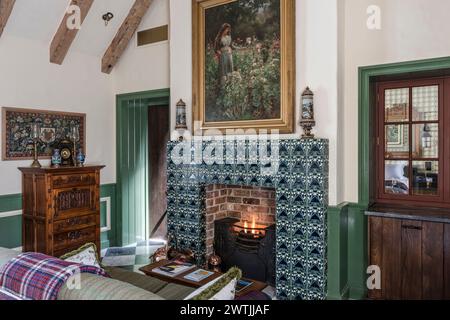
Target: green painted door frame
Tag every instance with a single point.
(135, 193)
(357, 222)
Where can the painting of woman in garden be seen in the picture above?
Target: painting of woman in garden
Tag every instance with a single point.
(242, 72)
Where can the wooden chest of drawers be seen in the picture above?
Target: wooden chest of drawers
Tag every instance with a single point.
(61, 208)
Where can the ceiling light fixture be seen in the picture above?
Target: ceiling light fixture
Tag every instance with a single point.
(107, 17)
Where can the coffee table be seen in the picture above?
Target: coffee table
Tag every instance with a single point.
(148, 270)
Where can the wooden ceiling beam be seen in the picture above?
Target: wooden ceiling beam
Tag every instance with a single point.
(64, 36)
(124, 35)
(6, 7)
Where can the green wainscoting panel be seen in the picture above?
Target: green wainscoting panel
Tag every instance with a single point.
(11, 219)
(132, 163)
(108, 196)
(338, 288)
(11, 202)
(11, 232)
(357, 251)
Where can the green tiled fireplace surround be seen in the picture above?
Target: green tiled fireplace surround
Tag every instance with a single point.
(11, 218)
(301, 184)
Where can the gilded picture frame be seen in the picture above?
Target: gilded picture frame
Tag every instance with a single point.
(284, 121)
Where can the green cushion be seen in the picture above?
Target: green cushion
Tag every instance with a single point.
(136, 279)
(175, 292)
(98, 288)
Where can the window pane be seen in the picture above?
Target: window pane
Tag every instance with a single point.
(396, 177)
(425, 103)
(397, 105)
(425, 178)
(397, 141)
(426, 140)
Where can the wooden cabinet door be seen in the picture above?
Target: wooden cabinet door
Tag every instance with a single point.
(73, 202)
(414, 258)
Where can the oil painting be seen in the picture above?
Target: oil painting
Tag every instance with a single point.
(244, 75)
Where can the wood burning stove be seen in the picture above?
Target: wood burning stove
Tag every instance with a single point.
(247, 245)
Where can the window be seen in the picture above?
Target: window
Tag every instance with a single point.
(413, 149)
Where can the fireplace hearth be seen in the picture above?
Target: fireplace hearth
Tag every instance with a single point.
(248, 246)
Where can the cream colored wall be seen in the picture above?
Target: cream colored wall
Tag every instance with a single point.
(317, 67)
(410, 30)
(146, 67)
(28, 80)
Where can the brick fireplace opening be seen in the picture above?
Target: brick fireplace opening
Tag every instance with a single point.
(251, 205)
(240, 229)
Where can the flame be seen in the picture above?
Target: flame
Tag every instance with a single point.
(245, 226)
(254, 225)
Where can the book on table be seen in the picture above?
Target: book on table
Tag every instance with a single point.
(174, 268)
(198, 275)
(242, 284)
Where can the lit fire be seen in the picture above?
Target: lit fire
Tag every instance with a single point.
(254, 225)
(250, 227)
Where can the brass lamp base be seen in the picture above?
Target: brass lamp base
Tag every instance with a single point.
(36, 164)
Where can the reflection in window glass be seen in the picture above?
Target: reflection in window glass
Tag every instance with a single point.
(396, 177)
(425, 103)
(397, 105)
(397, 141)
(425, 178)
(426, 140)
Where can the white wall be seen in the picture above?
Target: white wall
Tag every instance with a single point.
(411, 30)
(28, 80)
(317, 66)
(146, 67)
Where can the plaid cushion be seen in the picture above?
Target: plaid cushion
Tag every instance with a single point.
(8, 296)
(35, 276)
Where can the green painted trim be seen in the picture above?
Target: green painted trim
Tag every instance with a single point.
(11, 227)
(11, 202)
(357, 227)
(157, 98)
(337, 252)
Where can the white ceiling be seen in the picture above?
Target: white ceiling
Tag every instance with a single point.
(39, 19)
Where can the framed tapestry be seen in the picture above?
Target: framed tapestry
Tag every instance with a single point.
(244, 64)
(54, 126)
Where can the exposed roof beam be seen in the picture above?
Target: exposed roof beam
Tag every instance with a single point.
(64, 36)
(124, 35)
(6, 7)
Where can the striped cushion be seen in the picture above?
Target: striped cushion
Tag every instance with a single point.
(98, 288)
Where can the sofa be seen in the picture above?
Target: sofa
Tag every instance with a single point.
(123, 285)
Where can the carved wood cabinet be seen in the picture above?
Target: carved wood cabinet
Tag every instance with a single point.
(61, 208)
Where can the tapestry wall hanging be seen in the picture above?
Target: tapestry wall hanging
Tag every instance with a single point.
(17, 143)
(244, 64)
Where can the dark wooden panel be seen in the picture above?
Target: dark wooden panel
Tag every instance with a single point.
(391, 265)
(433, 261)
(411, 260)
(159, 134)
(447, 262)
(376, 249)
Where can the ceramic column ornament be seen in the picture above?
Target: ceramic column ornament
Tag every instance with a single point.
(181, 124)
(307, 121)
